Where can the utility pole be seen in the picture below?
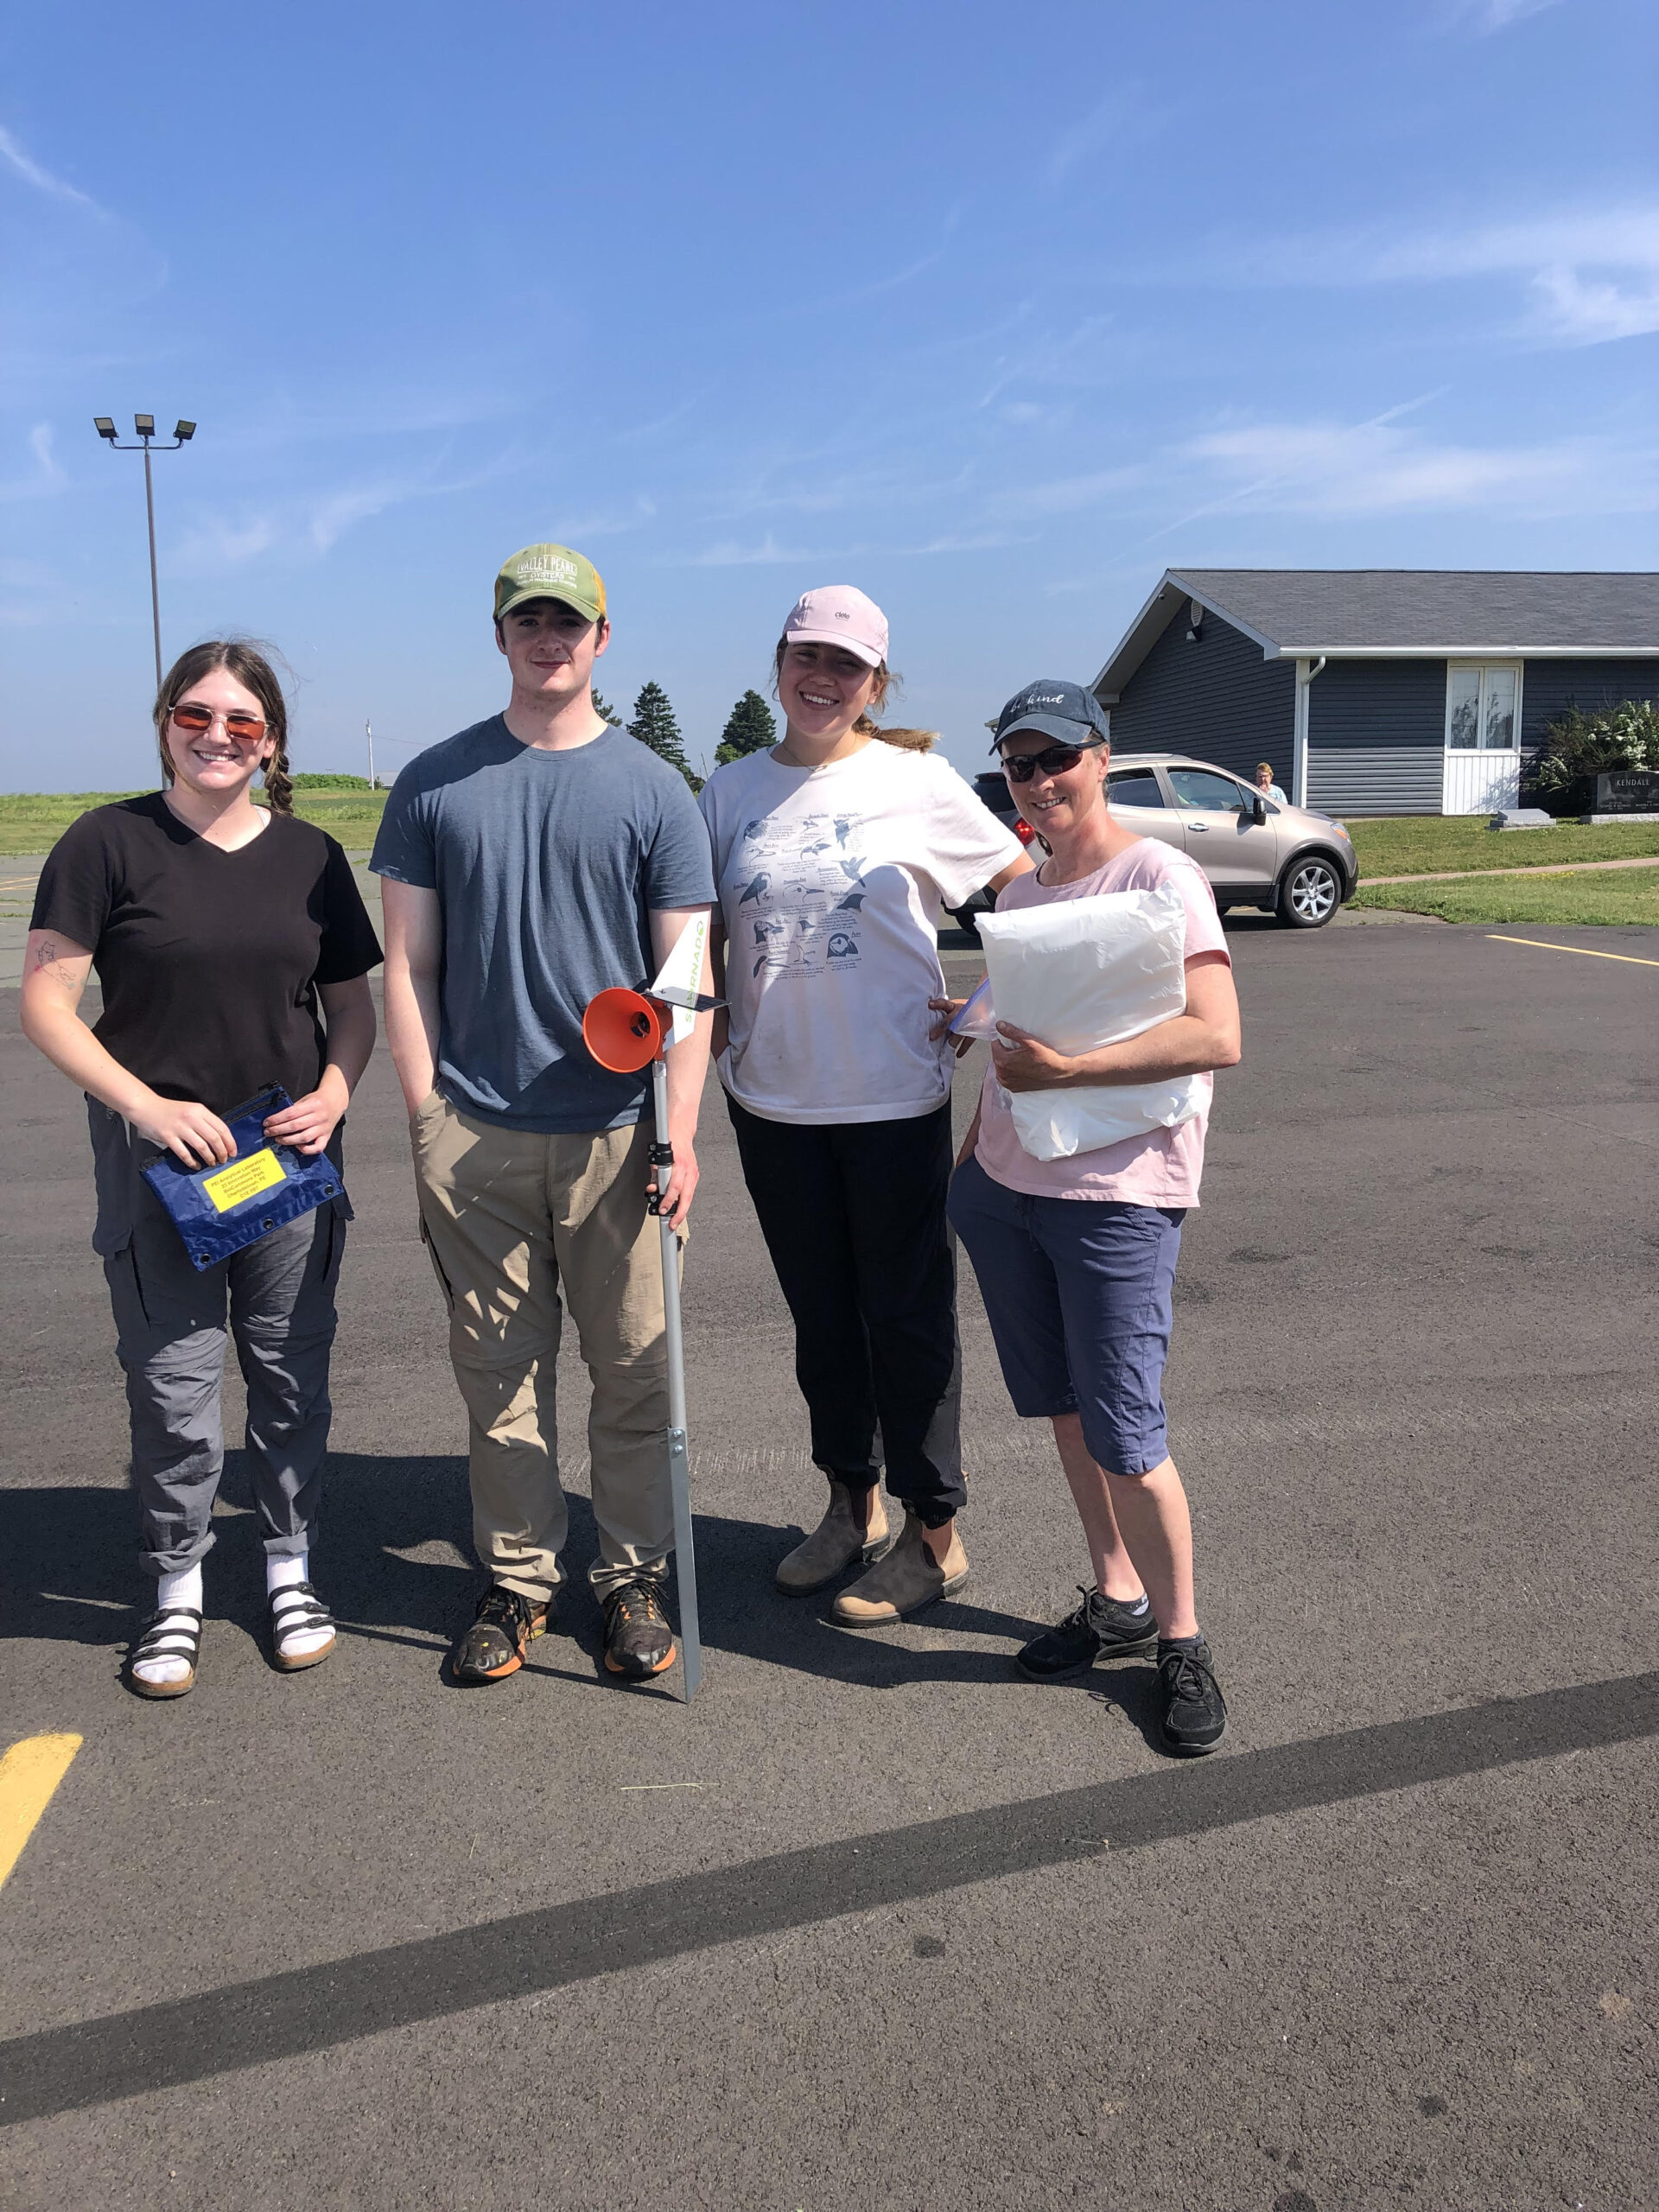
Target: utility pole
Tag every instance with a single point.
(144, 426)
(369, 733)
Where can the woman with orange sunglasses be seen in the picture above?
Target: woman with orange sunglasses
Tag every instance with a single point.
(233, 950)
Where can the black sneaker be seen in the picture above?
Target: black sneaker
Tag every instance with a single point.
(1192, 1716)
(638, 1642)
(1101, 1628)
(500, 1634)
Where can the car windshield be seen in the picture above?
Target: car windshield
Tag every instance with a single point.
(1135, 787)
(1212, 794)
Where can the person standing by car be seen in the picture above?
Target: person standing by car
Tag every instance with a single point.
(1264, 782)
(1076, 1257)
(530, 862)
(233, 952)
(833, 853)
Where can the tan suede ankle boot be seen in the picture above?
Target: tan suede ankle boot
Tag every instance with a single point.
(904, 1581)
(834, 1544)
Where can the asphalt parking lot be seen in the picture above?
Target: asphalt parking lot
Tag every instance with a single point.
(875, 1922)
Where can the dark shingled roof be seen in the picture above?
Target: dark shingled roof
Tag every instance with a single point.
(1293, 612)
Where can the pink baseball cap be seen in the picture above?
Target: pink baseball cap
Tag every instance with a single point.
(839, 615)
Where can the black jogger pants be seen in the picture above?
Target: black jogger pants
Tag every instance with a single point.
(852, 1213)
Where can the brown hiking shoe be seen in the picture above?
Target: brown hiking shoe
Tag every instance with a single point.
(834, 1543)
(904, 1581)
(494, 1646)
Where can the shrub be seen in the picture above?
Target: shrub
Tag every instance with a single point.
(1580, 747)
(329, 783)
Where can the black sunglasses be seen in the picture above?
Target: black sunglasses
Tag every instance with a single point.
(1053, 761)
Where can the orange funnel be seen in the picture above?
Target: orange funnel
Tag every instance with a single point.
(623, 1030)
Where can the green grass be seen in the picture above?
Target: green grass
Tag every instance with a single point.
(1621, 896)
(1422, 844)
(32, 822)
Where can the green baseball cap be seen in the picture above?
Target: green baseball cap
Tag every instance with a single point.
(550, 572)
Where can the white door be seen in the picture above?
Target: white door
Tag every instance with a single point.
(1483, 737)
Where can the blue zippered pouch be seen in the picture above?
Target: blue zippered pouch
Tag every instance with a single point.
(219, 1211)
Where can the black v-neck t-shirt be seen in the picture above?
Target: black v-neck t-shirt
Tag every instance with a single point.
(209, 961)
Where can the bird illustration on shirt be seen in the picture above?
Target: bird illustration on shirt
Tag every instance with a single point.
(756, 889)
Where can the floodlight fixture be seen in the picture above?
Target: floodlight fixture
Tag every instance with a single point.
(145, 426)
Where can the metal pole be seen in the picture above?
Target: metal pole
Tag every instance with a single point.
(369, 733)
(155, 594)
(679, 1457)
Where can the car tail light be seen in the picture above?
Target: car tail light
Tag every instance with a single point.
(1023, 830)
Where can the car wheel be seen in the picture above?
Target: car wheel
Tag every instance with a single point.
(1310, 893)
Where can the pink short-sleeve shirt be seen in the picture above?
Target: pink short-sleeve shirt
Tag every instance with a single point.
(1163, 1167)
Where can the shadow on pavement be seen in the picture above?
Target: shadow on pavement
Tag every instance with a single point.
(380, 1514)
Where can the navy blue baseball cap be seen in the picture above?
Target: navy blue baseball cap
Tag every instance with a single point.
(1067, 712)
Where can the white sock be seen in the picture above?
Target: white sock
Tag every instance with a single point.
(283, 1571)
(183, 1588)
(181, 1592)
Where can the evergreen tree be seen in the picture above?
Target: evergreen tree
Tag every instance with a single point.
(604, 709)
(749, 728)
(654, 725)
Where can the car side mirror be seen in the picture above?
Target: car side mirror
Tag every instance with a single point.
(1259, 806)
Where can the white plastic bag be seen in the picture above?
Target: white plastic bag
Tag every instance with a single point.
(1085, 972)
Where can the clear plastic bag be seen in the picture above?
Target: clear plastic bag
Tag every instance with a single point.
(1085, 972)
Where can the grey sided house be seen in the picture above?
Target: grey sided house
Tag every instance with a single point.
(1377, 690)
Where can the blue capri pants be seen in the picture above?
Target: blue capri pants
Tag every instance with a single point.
(1077, 1292)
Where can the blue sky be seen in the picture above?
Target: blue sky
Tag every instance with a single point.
(994, 312)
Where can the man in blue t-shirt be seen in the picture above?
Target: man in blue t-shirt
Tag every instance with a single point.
(529, 863)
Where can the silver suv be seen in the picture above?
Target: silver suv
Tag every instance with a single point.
(1256, 850)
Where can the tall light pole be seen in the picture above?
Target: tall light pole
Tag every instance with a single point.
(144, 425)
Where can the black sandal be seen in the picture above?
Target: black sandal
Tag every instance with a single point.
(298, 1611)
(174, 1632)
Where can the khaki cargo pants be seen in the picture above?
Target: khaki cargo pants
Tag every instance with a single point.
(510, 1217)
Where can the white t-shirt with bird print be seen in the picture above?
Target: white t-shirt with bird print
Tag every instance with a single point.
(832, 881)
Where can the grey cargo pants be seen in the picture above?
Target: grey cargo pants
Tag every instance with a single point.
(170, 1330)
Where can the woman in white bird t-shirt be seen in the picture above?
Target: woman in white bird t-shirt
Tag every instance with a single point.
(834, 852)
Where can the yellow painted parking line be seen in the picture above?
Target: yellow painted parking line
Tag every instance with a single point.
(1630, 959)
(29, 1773)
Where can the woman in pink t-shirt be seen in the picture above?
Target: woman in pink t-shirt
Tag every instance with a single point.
(1076, 1258)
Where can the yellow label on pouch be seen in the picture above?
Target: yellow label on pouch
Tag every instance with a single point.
(260, 1171)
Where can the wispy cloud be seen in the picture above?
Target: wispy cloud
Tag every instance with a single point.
(310, 527)
(221, 541)
(23, 165)
(728, 554)
(1063, 495)
(1126, 117)
(1485, 16)
(1385, 466)
(46, 477)
(1589, 274)
(768, 553)
(1592, 274)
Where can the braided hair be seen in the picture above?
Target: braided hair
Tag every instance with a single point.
(251, 670)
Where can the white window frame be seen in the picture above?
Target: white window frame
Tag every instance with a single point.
(1485, 668)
